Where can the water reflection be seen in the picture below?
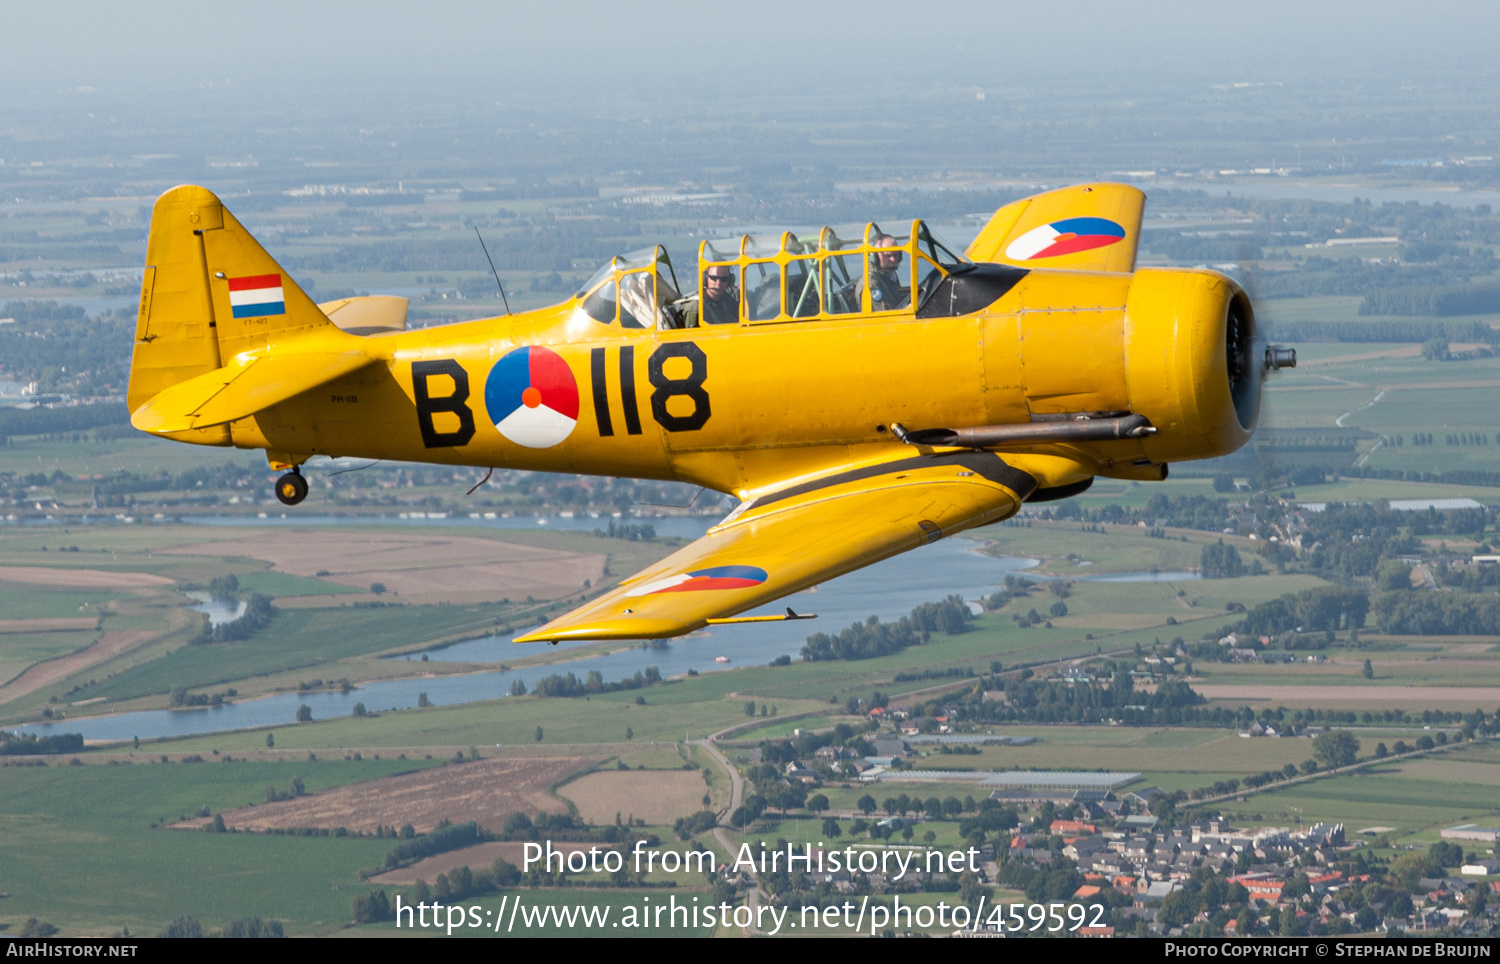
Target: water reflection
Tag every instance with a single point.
(220, 609)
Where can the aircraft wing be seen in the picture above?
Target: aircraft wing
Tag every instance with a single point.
(799, 536)
(1087, 227)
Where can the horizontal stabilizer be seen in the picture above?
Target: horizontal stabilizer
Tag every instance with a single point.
(242, 388)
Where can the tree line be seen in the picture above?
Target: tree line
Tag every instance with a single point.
(873, 638)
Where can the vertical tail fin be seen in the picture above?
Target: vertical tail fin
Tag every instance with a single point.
(210, 292)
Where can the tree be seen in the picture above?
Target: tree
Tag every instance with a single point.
(182, 927)
(1408, 869)
(518, 688)
(271, 740)
(539, 733)
(1219, 561)
(749, 707)
(1381, 751)
(304, 713)
(831, 827)
(373, 908)
(1336, 748)
(378, 588)
(359, 709)
(629, 733)
(818, 803)
(1369, 670)
(253, 927)
(865, 805)
(1223, 482)
(422, 701)
(222, 586)
(1435, 349)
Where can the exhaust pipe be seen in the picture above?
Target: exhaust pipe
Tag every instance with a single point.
(1035, 433)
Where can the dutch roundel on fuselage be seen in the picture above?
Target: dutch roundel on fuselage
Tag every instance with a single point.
(1068, 236)
(532, 397)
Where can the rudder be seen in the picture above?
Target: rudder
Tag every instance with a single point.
(208, 293)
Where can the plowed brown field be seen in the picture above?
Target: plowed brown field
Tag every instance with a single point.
(485, 791)
(656, 796)
(421, 567)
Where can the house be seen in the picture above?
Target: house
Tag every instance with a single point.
(1071, 827)
(1144, 796)
(797, 770)
(1158, 890)
(1320, 882)
(891, 748)
(1324, 835)
(1085, 892)
(1081, 847)
(1261, 886)
(1480, 868)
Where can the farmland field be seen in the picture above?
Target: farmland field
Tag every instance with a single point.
(658, 797)
(484, 790)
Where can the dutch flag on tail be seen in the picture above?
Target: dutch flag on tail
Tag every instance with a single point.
(257, 296)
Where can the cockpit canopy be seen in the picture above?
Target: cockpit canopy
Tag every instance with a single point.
(758, 279)
(633, 288)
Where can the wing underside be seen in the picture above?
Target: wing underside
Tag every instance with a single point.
(794, 538)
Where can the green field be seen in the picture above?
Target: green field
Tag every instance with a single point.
(22, 649)
(584, 720)
(41, 603)
(1381, 796)
(81, 852)
(273, 583)
(284, 645)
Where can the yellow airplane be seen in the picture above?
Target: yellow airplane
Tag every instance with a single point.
(861, 396)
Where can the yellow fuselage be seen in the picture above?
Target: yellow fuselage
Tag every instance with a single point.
(799, 396)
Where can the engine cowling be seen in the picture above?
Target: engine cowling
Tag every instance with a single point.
(1194, 362)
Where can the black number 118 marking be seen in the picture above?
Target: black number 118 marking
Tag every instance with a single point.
(664, 388)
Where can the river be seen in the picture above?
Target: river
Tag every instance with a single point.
(888, 589)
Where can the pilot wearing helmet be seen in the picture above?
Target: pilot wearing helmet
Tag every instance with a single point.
(889, 290)
(717, 303)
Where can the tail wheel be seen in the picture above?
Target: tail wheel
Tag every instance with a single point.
(291, 488)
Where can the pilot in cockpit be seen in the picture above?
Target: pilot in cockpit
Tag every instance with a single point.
(718, 302)
(889, 291)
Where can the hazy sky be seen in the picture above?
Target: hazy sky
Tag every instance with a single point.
(330, 48)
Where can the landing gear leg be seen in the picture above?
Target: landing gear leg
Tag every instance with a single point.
(292, 487)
